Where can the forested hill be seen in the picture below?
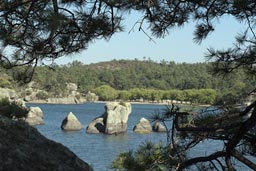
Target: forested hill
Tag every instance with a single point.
(146, 74)
(128, 74)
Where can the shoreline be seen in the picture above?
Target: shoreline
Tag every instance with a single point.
(146, 103)
(45, 102)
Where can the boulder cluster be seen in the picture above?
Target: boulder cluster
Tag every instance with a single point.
(144, 126)
(113, 121)
(23, 148)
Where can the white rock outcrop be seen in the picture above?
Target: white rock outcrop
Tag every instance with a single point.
(71, 123)
(143, 126)
(34, 116)
(113, 121)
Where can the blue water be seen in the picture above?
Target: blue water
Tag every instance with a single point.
(99, 150)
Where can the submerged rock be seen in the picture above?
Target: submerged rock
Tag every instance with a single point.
(143, 126)
(23, 148)
(113, 121)
(71, 123)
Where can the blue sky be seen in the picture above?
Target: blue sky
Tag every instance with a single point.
(178, 46)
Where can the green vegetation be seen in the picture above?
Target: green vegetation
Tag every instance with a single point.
(6, 81)
(36, 31)
(148, 156)
(106, 93)
(12, 110)
(135, 80)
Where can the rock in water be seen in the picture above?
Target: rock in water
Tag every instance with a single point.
(23, 148)
(96, 126)
(71, 123)
(35, 116)
(143, 126)
(158, 127)
(117, 117)
(113, 121)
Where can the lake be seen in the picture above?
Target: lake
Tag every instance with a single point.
(99, 150)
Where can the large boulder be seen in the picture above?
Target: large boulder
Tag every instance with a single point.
(158, 127)
(113, 121)
(35, 116)
(23, 148)
(143, 126)
(71, 123)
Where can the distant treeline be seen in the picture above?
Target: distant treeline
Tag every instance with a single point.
(128, 75)
(198, 96)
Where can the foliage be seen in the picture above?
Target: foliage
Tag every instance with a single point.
(186, 131)
(106, 93)
(46, 30)
(202, 87)
(148, 156)
(201, 96)
(6, 81)
(183, 82)
(12, 110)
(39, 30)
(42, 95)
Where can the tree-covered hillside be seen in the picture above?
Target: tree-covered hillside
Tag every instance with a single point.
(128, 74)
(144, 79)
(147, 74)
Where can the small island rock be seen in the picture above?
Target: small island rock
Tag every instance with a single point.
(158, 127)
(71, 123)
(113, 121)
(143, 126)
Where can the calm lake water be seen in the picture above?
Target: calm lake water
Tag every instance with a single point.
(99, 150)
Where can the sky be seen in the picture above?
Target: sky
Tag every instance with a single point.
(178, 46)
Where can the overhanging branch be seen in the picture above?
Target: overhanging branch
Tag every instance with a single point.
(195, 160)
(244, 160)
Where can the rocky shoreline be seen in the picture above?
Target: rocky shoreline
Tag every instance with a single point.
(23, 148)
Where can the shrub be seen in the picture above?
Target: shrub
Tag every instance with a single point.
(148, 156)
(28, 92)
(42, 95)
(12, 110)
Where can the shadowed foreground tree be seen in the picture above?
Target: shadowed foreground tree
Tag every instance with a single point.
(34, 31)
(236, 129)
(229, 132)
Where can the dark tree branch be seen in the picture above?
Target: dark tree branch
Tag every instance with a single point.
(244, 128)
(195, 160)
(243, 159)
